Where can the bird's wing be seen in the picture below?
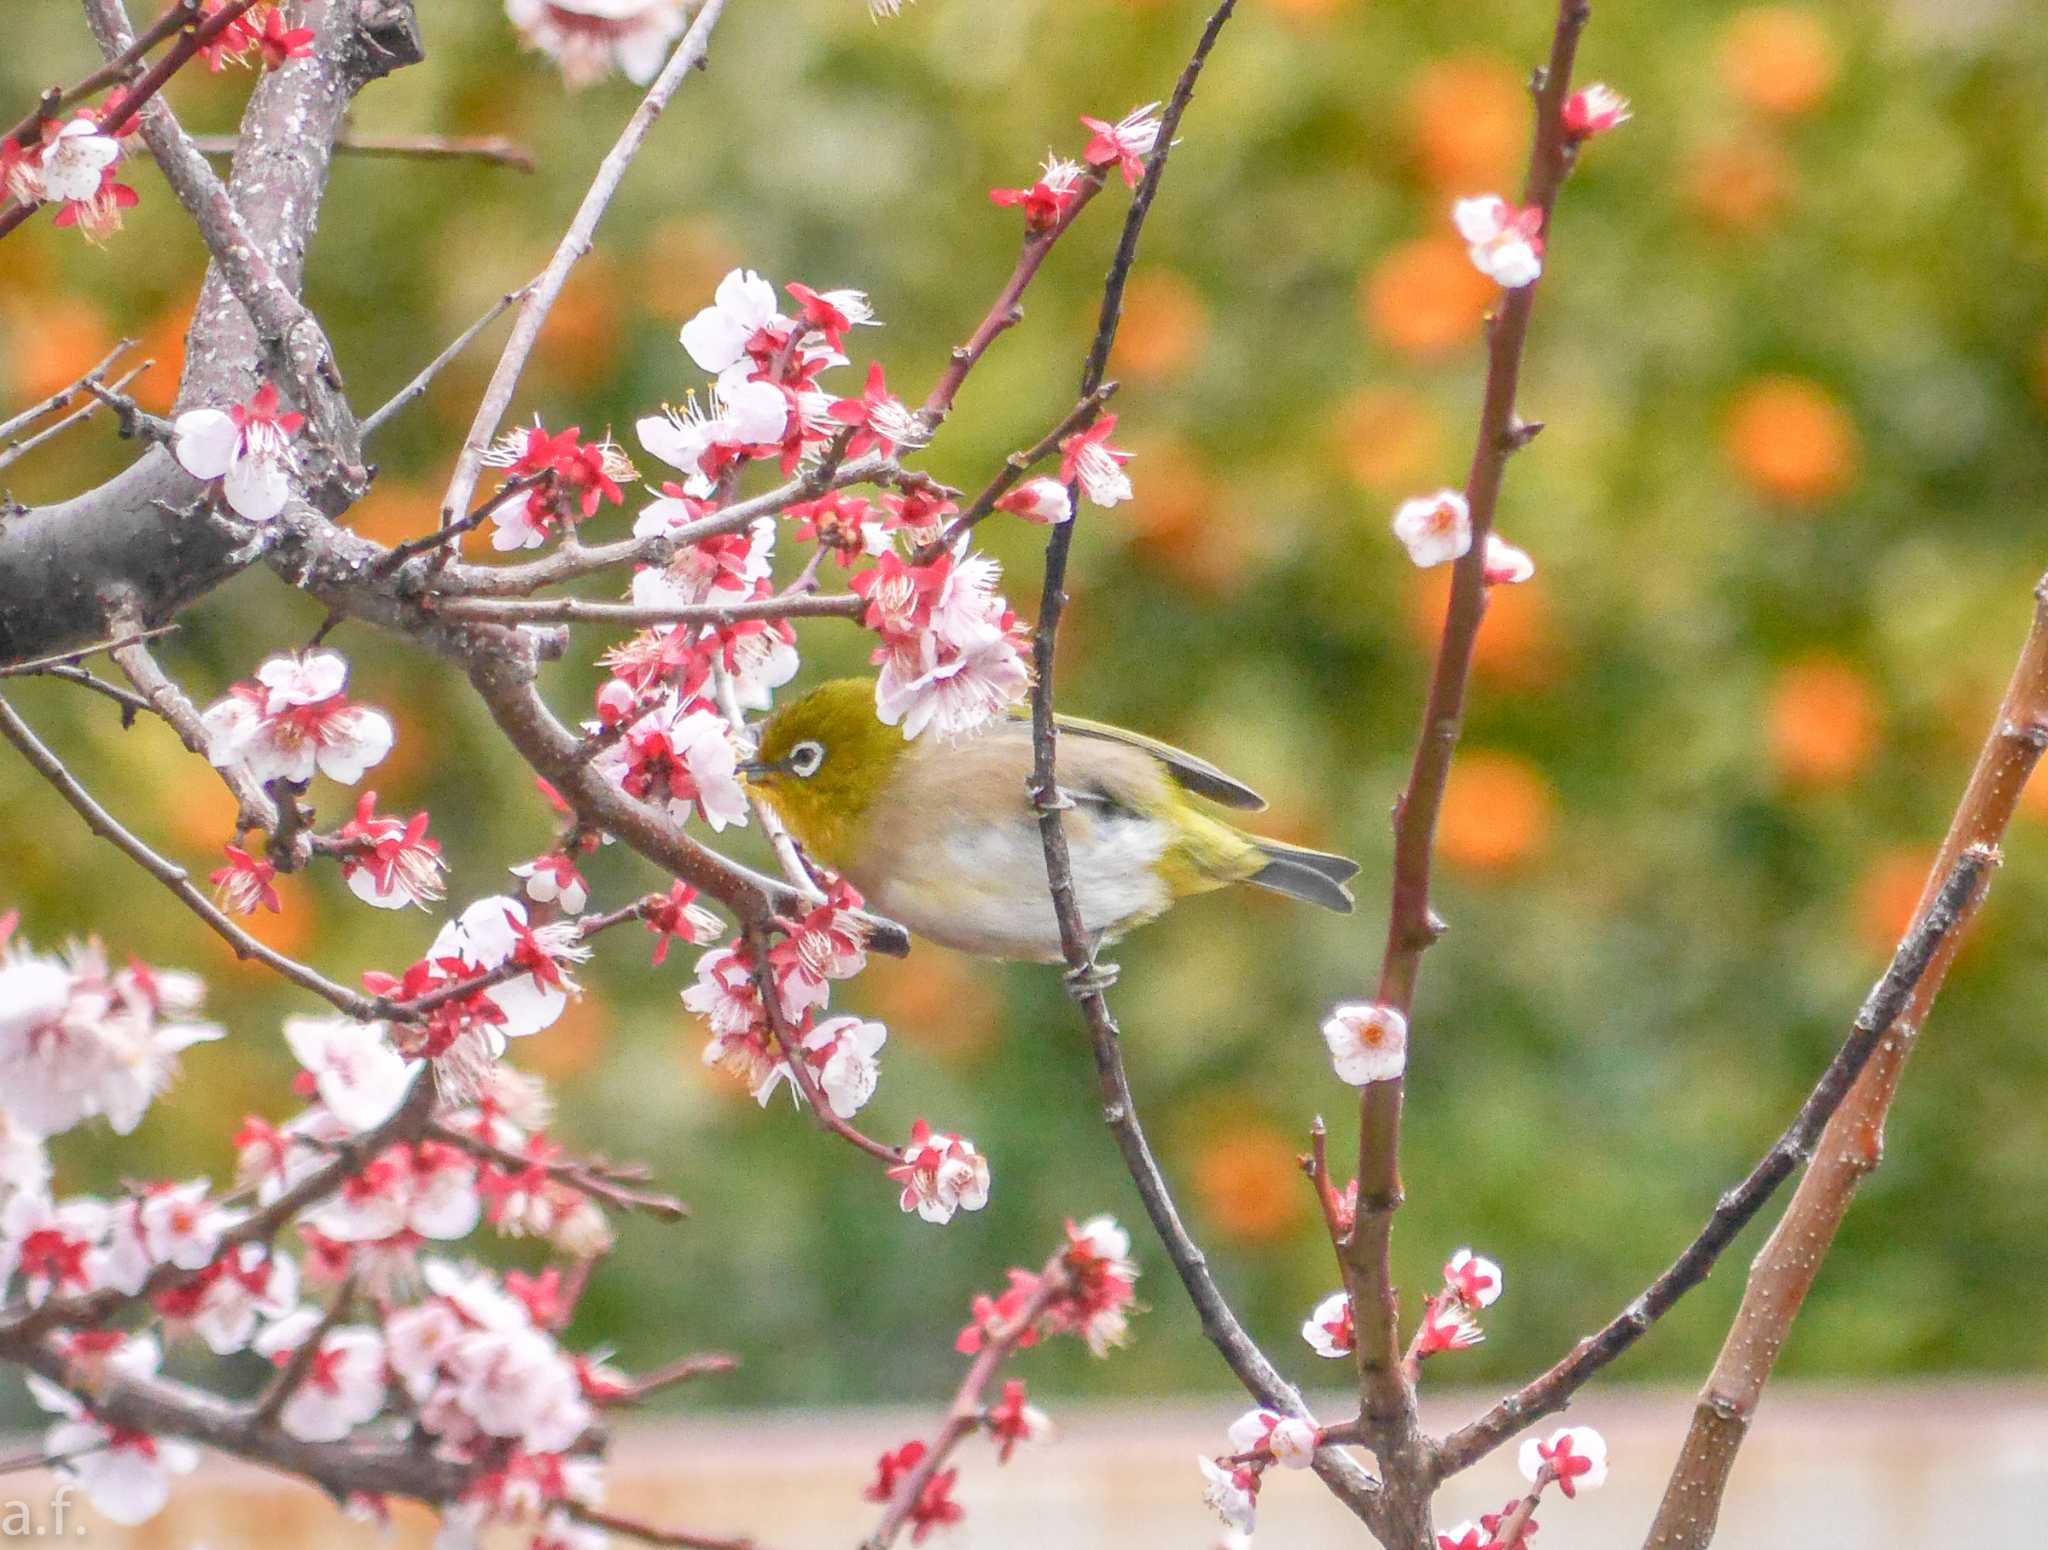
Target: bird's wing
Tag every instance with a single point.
(1196, 775)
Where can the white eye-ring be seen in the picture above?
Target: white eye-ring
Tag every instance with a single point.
(805, 758)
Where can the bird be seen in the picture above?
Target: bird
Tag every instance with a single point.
(944, 837)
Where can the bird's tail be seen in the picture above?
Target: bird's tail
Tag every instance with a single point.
(1313, 876)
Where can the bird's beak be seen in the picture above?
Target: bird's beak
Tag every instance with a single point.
(753, 769)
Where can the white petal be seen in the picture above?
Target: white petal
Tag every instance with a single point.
(204, 442)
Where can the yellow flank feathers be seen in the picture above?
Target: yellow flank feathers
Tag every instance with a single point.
(943, 837)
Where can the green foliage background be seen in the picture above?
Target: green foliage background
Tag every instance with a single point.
(1641, 984)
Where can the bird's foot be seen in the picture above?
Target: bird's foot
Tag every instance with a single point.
(1091, 979)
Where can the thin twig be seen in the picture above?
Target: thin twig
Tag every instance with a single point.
(1949, 911)
(833, 605)
(149, 425)
(382, 415)
(1853, 1143)
(131, 704)
(689, 55)
(649, 1534)
(78, 653)
(444, 538)
(1251, 1365)
(494, 149)
(965, 1415)
(1016, 466)
(687, 1369)
(800, 1074)
(170, 874)
(587, 1176)
(122, 67)
(63, 397)
(299, 1367)
(1386, 1400)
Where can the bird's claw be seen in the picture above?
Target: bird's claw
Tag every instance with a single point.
(1091, 979)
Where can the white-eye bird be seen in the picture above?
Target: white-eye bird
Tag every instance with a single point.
(944, 838)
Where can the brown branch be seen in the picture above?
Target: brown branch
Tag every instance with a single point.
(378, 418)
(63, 398)
(836, 605)
(964, 1416)
(1015, 467)
(122, 67)
(271, 1402)
(1852, 1145)
(170, 874)
(591, 1176)
(496, 150)
(649, 1534)
(254, 807)
(62, 658)
(687, 1369)
(1386, 1400)
(569, 563)
(690, 54)
(1944, 918)
(1219, 1324)
(443, 538)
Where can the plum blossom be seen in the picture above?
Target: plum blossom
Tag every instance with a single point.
(245, 883)
(1101, 1284)
(355, 1071)
(1233, 1493)
(247, 447)
(125, 1474)
(1506, 243)
(78, 1038)
(832, 313)
(168, 1224)
(343, 1386)
(589, 39)
(1574, 1456)
(572, 479)
(941, 1173)
(1038, 500)
(1465, 1536)
(1435, 528)
(1506, 565)
(1475, 1280)
(54, 1246)
(1048, 200)
(742, 310)
(726, 568)
(1328, 1330)
(294, 720)
(1290, 1440)
(679, 754)
(680, 917)
(1012, 1419)
(393, 862)
(24, 1163)
(554, 879)
(75, 158)
(950, 657)
(1447, 1326)
(1124, 144)
(224, 1303)
(840, 1053)
(829, 943)
(493, 932)
(1087, 457)
(880, 421)
(1368, 1042)
(1593, 110)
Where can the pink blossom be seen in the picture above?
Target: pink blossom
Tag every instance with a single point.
(1101, 1284)
(295, 719)
(357, 1074)
(394, 863)
(941, 1174)
(554, 879)
(679, 755)
(1038, 500)
(1011, 1420)
(222, 1306)
(840, 1053)
(1328, 1330)
(1435, 528)
(880, 420)
(342, 1388)
(1233, 1493)
(1506, 243)
(679, 916)
(247, 447)
(1475, 1280)
(1368, 1042)
(125, 1474)
(1575, 1457)
(589, 39)
(832, 313)
(829, 943)
(1124, 144)
(1047, 201)
(1289, 1440)
(1593, 110)
(245, 882)
(724, 334)
(54, 1246)
(1087, 457)
(1447, 1326)
(1505, 564)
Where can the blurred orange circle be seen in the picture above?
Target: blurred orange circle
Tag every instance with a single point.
(1165, 325)
(1178, 525)
(1249, 1183)
(1468, 116)
(1498, 813)
(1779, 60)
(1739, 185)
(1388, 439)
(1424, 299)
(1791, 440)
(1824, 720)
(937, 1002)
(62, 339)
(1518, 644)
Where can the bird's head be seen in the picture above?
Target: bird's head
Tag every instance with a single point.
(822, 761)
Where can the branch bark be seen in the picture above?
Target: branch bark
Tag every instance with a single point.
(1852, 1145)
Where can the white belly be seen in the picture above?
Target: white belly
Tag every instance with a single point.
(981, 887)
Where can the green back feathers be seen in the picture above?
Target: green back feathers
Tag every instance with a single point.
(1188, 772)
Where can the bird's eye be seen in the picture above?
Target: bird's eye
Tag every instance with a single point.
(805, 758)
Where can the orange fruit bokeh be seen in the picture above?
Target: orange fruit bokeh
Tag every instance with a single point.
(1468, 117)
(1518, 645)
(1166, 324)
(1499, 813)
(1779, 60)
(1740, 185)
(1424, 299)
(1388, 439)
(1249, 1184)
(1824, 720)
(1792, 441)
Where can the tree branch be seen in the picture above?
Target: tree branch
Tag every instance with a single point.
(1852, 1144)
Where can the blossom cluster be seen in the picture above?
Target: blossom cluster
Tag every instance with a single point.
(1086, 1291)
(73, 165)
(590, 39)
(293, 720)
(1573, 1458)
